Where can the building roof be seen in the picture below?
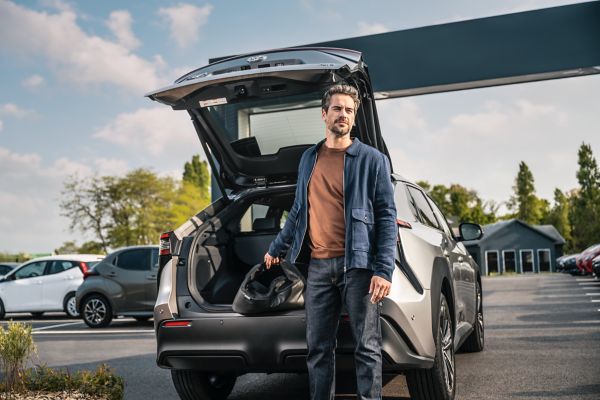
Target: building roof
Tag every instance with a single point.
(551, 231)
(490, 230)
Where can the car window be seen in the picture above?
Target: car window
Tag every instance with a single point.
(402, 198)
(31, 270)
(154, 263)
(423, 208)
(60, 266)
(440, 217)
(134, 260)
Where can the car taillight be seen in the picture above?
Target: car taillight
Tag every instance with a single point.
(165, 244)
(177, 324)
(83, 267)
(87, 271)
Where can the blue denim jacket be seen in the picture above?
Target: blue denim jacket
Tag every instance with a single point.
(369, 211)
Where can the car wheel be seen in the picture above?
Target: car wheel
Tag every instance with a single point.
(37, 314)
(2, 310)
(97, 312)
(142, 319)
(196, 385)
(476, 339)
(70, 305)
(439, 382)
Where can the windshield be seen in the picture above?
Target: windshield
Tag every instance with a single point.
(262, 127)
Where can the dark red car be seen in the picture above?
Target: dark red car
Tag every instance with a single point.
(584, 260)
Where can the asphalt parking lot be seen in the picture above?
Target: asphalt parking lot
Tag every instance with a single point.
(542, 342)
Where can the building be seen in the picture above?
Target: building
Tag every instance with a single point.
(516, 246)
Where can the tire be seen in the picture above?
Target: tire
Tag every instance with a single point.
(438, 382)
(2, 310)
(96, 311)
(197, 385)
(142, 319)
(476, 339)
(37, 314)
(70, 306)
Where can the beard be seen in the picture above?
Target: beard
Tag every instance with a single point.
(340, 131)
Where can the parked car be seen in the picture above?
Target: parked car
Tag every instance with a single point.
(124, 283)
(568, 264)
(584, 261)
(596, 266)
(256, 114)
(6, 267)
(45, 284)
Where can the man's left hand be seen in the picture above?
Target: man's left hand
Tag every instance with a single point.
(379, 288)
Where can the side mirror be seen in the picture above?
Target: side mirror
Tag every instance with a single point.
(469, 231)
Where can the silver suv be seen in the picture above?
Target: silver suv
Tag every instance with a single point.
(255, 115)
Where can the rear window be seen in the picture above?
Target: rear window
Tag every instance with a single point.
(134, 260)
(262, 127)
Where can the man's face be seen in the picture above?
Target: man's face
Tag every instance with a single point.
(339, 118)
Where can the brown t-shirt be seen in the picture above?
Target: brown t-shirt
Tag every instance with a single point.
(326, 224)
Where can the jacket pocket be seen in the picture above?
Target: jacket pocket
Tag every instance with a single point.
(362, 229)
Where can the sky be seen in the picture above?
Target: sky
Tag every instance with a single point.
(73, 77)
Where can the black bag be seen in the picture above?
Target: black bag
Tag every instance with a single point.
(262, 291)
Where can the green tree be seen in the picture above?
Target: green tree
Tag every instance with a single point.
(586, 204)
(524, 202)
(460, 204)
(559, 216)
(120, 211)
(196, 172)
(67, 248)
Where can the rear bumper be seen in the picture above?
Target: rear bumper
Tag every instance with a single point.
(272, 343)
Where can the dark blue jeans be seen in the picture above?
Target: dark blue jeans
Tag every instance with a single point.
(328, 288)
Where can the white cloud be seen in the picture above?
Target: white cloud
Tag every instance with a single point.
(111, 166)
(75, 55)
(365, 28)
(185, 21)
(31, 190)
(33, 82)
(119, 22)
(479, 144)
(13, 110)
(408, 115)
(154, 130)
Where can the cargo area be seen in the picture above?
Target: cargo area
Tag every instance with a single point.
(233, 242)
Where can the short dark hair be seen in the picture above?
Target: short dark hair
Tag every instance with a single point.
(340, 89)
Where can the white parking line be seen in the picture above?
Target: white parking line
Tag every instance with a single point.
(56, 326)
(593, 294)
(585, 280)
(595, 301)
(588, 283)
(96, 331)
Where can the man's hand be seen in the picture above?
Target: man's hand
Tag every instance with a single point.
(270, 260)
(379, 288)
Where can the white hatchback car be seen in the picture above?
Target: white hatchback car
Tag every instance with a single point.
(45, 284)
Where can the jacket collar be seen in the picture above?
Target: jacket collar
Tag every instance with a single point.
(352, 150)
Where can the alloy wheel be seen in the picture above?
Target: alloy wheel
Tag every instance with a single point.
(447, 347)
(72, 307)
(95, 311)
(480, 315)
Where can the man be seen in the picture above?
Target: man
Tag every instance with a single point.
(344, 204)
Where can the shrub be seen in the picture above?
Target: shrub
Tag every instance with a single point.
(16, 347)
(102, 382)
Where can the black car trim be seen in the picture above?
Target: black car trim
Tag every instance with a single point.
(404, 266)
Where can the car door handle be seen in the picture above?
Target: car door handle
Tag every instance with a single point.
(111, 274)
(151, 277)
(460, 258)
